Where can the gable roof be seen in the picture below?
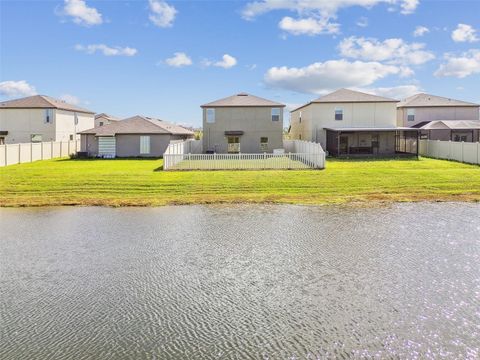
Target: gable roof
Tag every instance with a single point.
(451, 125)
(242, 100)
(426, 100)
(348, 96)
(106, 116)
(138, 125)
(42, 102)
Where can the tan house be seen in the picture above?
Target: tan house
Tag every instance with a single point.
(138, 136)
(42, 118)
(104, 119)
(242, 123)
(348, 122)
(440, 118)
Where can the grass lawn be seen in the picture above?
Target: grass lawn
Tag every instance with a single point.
(142, 182)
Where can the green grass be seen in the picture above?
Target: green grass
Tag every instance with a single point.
(248, 164)
(143, 183)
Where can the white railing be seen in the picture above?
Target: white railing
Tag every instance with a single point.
(305, 155)
(451, 150)
(11, 154)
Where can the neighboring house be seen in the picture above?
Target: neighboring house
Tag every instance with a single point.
(242, 123)
(42, 118)
(436, 117)
(104, 119)
(348, 122)
(138, 136)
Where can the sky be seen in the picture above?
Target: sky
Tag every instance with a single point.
(164, 59)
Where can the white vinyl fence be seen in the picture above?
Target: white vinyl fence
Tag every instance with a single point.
(465, 152)
(296, 155)
(11, 154)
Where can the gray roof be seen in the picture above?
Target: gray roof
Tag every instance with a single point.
(138, 125)
(452, 125)
(243, 99)
(348, 96)
(41, 102)
(107, 116)
(426, 100)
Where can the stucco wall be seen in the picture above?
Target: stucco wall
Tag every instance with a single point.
(255, 122)
(65, 124)
(437, 113)
(103, 120)
(22, 123)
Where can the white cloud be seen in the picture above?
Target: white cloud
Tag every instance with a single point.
(409, 6)
(308, 26)
(464, 33)
(395, 92)
(227, 62)
(460, 66)
(179, 59)
(362, 22)
(420, 31)
(107, 50)
(395, 51)
(162, 14)
(21, 88)
(70, 99)
(81, 13)
(322, 77)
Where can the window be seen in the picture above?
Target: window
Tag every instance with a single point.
(460, 138)
(75, 118)
(299, 136)
(100, 123)
(410, 114)
(48, 116)
(71, 137)
(275, 114)
(338, 114)
(264, 143)
(36, 138)
(300, 117)
(144, 144)
(210, 116)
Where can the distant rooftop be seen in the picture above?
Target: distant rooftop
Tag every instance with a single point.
(241, 100)
(41, 102)
(107, 116)
(426, 100)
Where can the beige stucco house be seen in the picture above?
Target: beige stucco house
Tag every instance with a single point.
(42, 118)
(138, 136)
(242, 123)
(440, 118)
(104, 119)
(348, 122)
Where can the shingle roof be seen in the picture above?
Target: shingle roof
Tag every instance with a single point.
(243, 99)
(452, 125)
(107, 116)
(41, 102)
(348, 96)
(138, 125)
(426, 100)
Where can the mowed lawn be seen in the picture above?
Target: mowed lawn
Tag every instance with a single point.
(143, 183)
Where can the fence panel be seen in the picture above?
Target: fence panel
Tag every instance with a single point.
(451, 150)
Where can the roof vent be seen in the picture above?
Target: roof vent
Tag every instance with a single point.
(242, 94)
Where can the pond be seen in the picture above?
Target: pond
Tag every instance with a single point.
(246, 281)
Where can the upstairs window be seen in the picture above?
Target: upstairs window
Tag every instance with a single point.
(338, 114)
(275, 114)
(210, 116)
(48, 116)
(410, 114)
(300, 117)
(264, 143)
(75, 118)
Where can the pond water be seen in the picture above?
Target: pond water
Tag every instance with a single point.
(273, 282)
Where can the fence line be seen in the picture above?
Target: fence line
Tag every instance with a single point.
(300, 155)
(451, 150)
(11, 154)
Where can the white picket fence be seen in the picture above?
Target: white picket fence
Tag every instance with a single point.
(296, 155)
(465, 152)
(11, 154)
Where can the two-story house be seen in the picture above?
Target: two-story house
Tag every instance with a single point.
(440, 118)
(42, 118)
(348, 122)
(242, 123)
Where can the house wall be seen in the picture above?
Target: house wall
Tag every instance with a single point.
(22, 123)
(437, 113)
(65, 124)
(255, 122)
(317, 116)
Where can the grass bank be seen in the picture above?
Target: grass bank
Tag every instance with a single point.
(143, 183)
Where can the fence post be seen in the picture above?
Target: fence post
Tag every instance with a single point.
(31, 152)
(6, 156)
(190, 160)
(264, 160)
(289, 160)
(51, 149)
(449, 149)
(19, 151)
(462, 150)
(68, 148)
(41, 151)
(214, 160)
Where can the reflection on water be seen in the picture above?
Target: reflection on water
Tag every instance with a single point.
(240, 282)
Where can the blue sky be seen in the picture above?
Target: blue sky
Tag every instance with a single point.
(166, 58)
